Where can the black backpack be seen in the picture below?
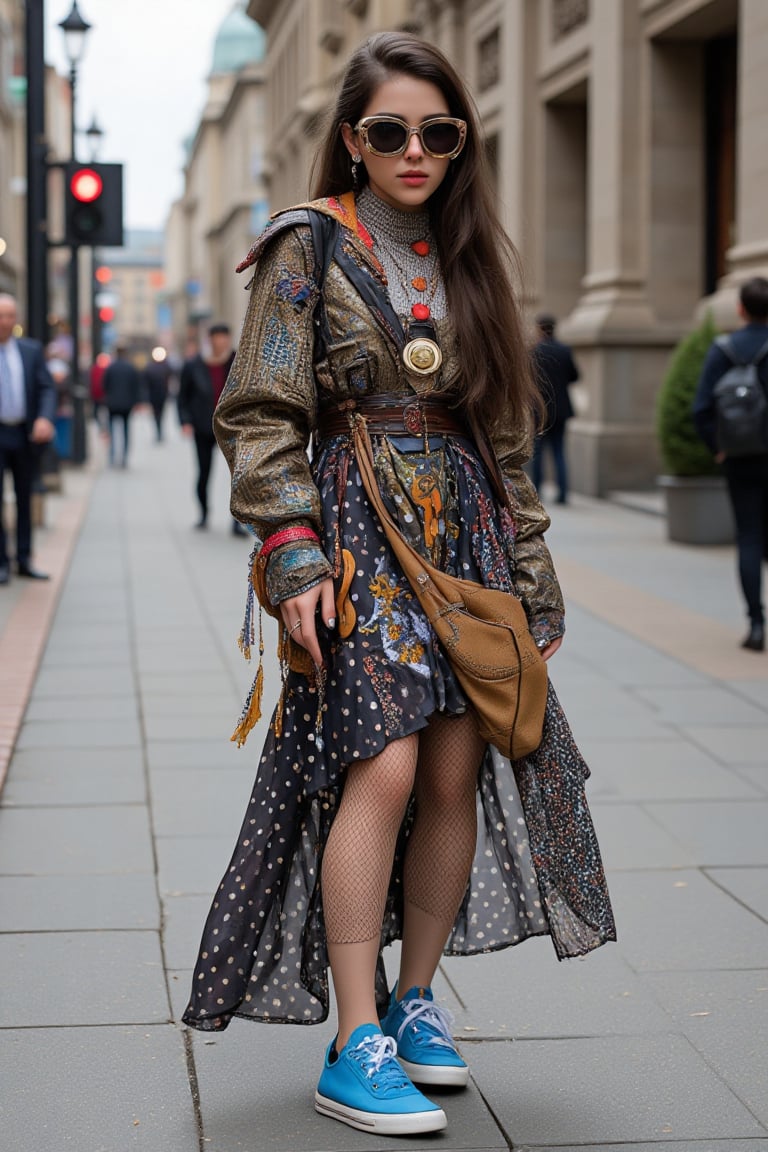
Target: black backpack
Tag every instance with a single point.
(741, 405)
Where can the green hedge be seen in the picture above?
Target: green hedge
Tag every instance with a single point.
(683, 452)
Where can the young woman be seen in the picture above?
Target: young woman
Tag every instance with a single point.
(363, 824)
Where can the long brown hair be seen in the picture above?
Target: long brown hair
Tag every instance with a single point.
(480, 265)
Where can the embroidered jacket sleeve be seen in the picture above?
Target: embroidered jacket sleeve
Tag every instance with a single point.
(535, 578)
(266, 413)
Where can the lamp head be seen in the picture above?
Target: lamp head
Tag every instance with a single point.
(94, 134)
(75, 29)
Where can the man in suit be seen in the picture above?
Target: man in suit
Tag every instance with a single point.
(201, 384)
(746, 476)
(554, 370)
(27, 411)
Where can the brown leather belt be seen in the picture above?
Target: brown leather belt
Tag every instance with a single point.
(395, 416)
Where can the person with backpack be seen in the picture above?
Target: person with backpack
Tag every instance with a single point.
(383, 326)
(730, 411)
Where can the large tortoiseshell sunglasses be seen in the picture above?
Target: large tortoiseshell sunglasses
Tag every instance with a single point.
(441, 136)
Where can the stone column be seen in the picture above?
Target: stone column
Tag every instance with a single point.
(749, 255)
(677, 192)
(612, 444)
(517, 124)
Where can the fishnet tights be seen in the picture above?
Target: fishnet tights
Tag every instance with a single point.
(441, 766)
(357, 862)
(442, 842)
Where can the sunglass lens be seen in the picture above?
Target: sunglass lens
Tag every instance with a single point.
(386, 136)
(441, 139)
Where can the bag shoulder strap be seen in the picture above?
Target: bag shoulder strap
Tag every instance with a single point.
(325, 231)
(725, 344)
(325, 241)
(373, 294)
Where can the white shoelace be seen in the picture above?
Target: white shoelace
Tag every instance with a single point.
(377, 1050)
(438, 1018)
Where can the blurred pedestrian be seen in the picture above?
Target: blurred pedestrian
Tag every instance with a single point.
(60, 448)
(27, 410)
(96, 381)
(746, 475)
(202, 383)
(122, 386)
(554, 370)
(156, 380)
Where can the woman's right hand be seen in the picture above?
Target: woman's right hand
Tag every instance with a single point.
(298, 615)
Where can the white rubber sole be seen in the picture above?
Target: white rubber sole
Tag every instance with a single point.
(437, 1075)
(382, 1123)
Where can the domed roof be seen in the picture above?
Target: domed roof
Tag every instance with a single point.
(238, 42)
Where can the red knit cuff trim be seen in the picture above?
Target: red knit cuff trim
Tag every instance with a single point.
(286, 536)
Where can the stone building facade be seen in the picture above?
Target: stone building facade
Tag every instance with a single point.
(308, 44)
(132, 287)
(629, 140)
(224, 203)
(12, 90)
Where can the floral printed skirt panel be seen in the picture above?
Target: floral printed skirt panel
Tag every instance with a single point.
(537, 866)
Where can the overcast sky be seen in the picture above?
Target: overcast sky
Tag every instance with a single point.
(143, 75)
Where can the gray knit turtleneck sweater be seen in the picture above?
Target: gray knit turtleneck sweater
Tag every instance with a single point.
(393, 231)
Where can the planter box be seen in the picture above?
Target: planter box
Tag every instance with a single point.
(698, 509)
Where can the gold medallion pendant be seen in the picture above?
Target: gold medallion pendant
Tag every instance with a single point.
(422, 356)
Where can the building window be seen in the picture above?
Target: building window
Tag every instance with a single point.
(568, 15)
(488, 61)
(720, 95)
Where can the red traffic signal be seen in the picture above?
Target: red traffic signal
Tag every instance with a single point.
(86, 185)
(93, 205)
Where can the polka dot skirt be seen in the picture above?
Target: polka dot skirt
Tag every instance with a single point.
(537, 866)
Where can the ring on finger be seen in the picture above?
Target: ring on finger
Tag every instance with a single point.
(293, 627)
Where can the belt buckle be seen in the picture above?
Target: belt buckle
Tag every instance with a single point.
(413, 419)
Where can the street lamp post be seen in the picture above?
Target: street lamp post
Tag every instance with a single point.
(37, 195)
(75, 29)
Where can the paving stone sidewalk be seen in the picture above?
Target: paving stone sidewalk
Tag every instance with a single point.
(124, 797)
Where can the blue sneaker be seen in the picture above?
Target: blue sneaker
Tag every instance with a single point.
(365, 1087)
(422, 1032)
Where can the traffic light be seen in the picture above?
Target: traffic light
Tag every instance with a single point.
(94, 205)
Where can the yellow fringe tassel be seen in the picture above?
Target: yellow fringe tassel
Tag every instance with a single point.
(252, 712)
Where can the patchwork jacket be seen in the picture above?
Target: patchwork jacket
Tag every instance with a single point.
(269, 409)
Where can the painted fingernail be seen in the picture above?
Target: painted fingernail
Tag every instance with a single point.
(332, 622)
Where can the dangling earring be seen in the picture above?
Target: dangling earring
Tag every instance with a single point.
(356, 159)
